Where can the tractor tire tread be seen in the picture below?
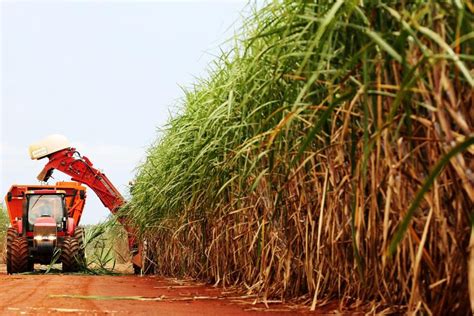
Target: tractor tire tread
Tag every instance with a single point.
(19, 261)
(79, 235)
(11, 235)
(69, 254)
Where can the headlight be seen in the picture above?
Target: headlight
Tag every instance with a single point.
(41, 238)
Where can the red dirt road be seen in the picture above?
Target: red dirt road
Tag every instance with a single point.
(121, 295)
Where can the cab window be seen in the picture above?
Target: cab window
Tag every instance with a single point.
(45, 206)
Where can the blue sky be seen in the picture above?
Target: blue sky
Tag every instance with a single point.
(105, 74)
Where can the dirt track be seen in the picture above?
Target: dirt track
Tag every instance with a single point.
(121, 295)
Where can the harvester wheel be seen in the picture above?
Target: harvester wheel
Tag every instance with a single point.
(79, 236)
(19, 261)
(69, 255)
(11, 235)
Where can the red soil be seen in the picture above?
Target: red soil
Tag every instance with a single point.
(124, 295)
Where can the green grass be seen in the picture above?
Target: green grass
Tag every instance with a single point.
(105, 246)
(4, 223)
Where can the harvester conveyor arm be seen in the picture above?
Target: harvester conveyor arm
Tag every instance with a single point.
(81, 169)
(70, 162)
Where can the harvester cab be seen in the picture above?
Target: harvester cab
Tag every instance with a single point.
(45, 216)
(43, 222)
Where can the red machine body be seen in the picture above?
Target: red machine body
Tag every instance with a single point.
(44, 218)
(74, 195)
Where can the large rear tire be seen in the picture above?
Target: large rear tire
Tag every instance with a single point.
(70, 254)
(19, 257)
(11, 235)
(79, 236)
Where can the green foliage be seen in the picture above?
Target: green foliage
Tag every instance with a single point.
(54, 259)
(307, 144)
(4, 223)
(258, 106)
(103, 245)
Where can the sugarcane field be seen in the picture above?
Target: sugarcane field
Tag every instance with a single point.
(238, 157)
